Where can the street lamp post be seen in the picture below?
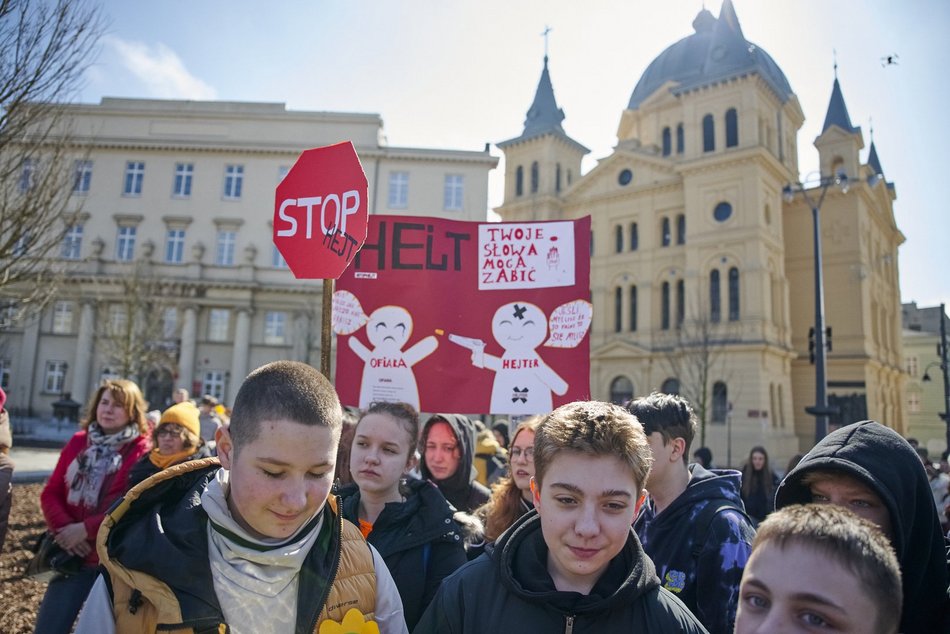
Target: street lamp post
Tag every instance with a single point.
(943, 365)
(821, 410)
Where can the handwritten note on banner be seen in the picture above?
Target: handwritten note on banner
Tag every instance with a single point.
(453, 316)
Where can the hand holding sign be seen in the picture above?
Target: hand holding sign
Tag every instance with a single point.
(569, 323)
(348, 315)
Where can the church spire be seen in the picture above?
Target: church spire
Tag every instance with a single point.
(544, 114)
(837, 110)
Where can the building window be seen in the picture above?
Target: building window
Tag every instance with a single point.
(681, 229)
(218, 322)
(277, 259)
(680, 142)
(83, 177)
(27, 175)
(169, 322)
(63, 318)
(134, 175)
(5, 365)
(732, 128)
(224, 253)
(621, 390)
(670, 386)
(534, 177)
(72, 242)
(625, 177)
(519, 181)
(125, 244)
(709, 134)
(618, 234)
(665, 306)
(667, 141)
(733, 294)
(665, 235)
(213, 383)
(453, 192)
(715, 301)
(174, 246)
(557, 178)
(912, 366)
(233, 181)
(618, 309)
(633, 308)
(634, 237)
(722, 212)
(118, 319)
(275, 324)
(109, 374)
(913, 402)
(183, 174)
(55, 377)
(720, 404)
(680, 302)
(8, 314)
(398, 190)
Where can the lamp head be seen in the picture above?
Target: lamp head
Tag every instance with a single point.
(841, 180)
(926, 377)
(788, 194)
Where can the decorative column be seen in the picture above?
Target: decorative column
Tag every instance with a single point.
(240, 353)
(301, 338)
(186, 357)
(83, 361)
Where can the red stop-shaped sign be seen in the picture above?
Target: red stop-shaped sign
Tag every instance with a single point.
(320, 212)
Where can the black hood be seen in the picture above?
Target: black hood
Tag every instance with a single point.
(456, 487)
(521, 556)
(880, 458)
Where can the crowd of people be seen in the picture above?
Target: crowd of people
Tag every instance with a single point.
(290, 511)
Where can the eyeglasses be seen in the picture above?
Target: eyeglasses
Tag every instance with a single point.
(165, 431)
(528, 452)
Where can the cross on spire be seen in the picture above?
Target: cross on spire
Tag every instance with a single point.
(544, 34)
(834, 54)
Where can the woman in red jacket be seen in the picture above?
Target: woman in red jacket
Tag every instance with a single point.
(91, 473)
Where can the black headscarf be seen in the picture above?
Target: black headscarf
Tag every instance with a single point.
(460, 489)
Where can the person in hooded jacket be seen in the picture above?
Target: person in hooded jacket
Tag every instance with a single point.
(448, 453)
(693, 526)
(573, 564)
(407, 520)
(871, 470)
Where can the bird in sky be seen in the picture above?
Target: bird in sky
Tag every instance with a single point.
(889, 60)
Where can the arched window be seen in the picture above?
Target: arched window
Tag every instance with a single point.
(732, 128)
(519, 181)
(667, 141)
(733, 294)
(665, 306)
(679, 138)
(633, 308)
(621, 390)
(618, 309)
(670, 386)
(681, 229)
(618, 232)
(720, 404)
(534, 177)
(715, 301)
(680, 302)
(665, 235)
(709, 134)
(557, 178)
(634, 237)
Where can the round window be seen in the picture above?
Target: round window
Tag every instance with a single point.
(722, 212)
(625, 177)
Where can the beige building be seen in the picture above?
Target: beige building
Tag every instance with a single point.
(925, 397)
(701, 274)
(172, 258)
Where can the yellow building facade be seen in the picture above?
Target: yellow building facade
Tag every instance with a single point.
(702, 275)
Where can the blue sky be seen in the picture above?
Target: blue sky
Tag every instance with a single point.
(459, 74)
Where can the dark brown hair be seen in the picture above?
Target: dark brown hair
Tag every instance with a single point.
(670, 415)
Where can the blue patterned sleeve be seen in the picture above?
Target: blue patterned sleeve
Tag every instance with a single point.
(719, 571)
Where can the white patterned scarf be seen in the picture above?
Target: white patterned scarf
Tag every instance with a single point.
(101, 458)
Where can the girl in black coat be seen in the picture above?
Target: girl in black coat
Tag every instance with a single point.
(407, 520)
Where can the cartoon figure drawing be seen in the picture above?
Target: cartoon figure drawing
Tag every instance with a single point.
(523, 381)
(387, 370)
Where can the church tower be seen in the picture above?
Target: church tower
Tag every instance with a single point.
(541, 163)
(840, 143)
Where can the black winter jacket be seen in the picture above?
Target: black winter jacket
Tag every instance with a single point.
(418, 539)
(510, 590)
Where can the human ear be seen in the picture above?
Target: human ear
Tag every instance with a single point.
(535, 491)
(679, 447)
(225, 447)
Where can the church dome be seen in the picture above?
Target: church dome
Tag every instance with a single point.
(716, 52)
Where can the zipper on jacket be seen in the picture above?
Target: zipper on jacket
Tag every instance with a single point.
(338, 529)
(569, 624)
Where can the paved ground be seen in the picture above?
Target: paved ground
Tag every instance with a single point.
(33, 464)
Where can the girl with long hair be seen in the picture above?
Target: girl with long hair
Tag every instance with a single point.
(92, 471)
(511, 496)
(758, 485)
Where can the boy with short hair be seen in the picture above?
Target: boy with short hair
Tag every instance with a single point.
(872, 471)
(574, 562)
(253, 543)
(819, 567)
(693, 525)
